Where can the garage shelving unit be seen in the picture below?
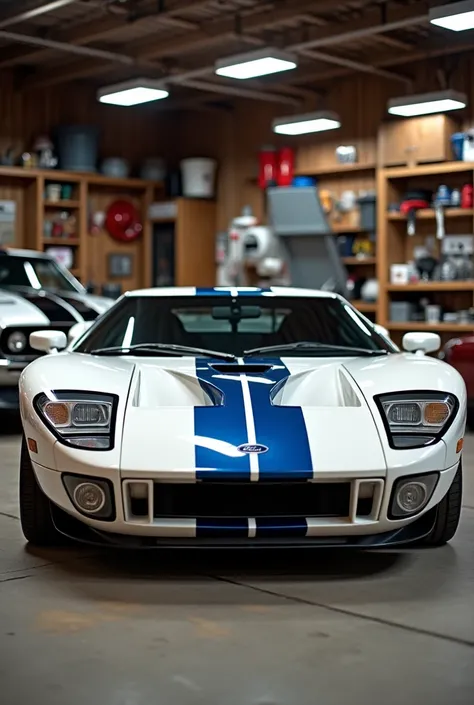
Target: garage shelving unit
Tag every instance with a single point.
(90, 192)
(395, 246)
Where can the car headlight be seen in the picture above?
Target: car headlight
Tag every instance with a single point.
(416, 419)
(79, 419)
(16, 342)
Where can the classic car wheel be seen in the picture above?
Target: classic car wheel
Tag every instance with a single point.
(35, 510)
(449, 512)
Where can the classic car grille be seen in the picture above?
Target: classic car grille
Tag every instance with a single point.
(266, 499)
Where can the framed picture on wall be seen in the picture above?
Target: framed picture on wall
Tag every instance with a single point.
(120, 265)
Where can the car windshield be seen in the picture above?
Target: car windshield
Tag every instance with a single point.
(233, 325)
(34, 272)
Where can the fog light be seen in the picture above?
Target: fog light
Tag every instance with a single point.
(411, 497)
(411, 494)
(89, 497)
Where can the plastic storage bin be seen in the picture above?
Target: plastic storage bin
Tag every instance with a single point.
(367, 205)
(198, 177)
(78, 147)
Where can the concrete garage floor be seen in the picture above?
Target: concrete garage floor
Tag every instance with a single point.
(82, 626)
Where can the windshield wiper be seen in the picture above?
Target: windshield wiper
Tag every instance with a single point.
(319, 347)
(166, 348)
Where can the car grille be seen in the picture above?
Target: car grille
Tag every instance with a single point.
(209, 499)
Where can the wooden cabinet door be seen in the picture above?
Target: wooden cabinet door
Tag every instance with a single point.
(419, 140)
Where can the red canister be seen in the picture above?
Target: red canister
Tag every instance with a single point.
(467, 198)
(267, 175)
(286, 166)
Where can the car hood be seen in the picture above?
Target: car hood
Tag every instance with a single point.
(268, 418)
(26, 306)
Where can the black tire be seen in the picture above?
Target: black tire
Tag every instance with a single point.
(449, 513)
(35, 508)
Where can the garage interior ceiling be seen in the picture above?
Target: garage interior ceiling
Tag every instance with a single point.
(55, 42)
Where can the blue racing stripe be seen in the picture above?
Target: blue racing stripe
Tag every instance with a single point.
(211, 292)
(281, 428)
(268, 528)
(219, 430)
(227, 291)
(214, 528)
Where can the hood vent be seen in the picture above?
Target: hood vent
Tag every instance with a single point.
(231, 368)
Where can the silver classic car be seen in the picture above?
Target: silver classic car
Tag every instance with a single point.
(36, 293)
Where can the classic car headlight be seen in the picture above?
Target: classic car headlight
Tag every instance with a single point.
(416, 419)
(83, 420)
(16, 342)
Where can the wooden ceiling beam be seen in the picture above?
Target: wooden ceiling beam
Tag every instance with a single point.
(95, 30)
(430, 52)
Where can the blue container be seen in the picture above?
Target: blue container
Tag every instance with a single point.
(302, 181)
(457, 145)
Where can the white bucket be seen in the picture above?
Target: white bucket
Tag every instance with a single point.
(198, 177)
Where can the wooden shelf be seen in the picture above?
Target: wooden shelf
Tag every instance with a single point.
(343, 229)
(433, 286)
(432, 327)
(365, 306)
(429, 213)
(428, 170)
(336, 169)
(69, 176)
(113, 182)
(333, 170)
(66, 241)
(63, 203)
(359, 260)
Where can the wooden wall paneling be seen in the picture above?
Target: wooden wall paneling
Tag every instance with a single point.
(33, 237)
(100, 245)
(147, 238)
(382, 248)
(195, 243)
(15, 191)
(82, 256)
(135, 134)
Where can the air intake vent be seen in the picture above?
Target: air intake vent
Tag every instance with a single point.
(231, 368)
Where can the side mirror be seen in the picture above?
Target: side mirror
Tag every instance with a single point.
(77, 330)
(48, 341)
(421, 342)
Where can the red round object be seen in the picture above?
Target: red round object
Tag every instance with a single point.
(122, 221)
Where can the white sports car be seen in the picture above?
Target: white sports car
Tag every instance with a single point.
(232, 417)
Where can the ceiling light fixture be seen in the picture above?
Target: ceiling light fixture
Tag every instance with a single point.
(459, 16)
(304, 124)
(427, 103)
(261, 62)
(133, 92)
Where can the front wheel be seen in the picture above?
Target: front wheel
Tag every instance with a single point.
(449, 513)
(35, 508)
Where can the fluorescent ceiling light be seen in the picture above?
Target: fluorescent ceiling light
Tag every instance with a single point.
(427, 103)
(138, 90)
(459, 16)
(304, 124)
(261, 62)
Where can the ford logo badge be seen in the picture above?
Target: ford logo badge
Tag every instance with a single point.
(252, 448)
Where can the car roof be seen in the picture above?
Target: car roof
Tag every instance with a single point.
(232, 291)
(14, 252)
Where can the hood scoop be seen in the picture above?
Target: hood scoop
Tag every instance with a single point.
(236, 368)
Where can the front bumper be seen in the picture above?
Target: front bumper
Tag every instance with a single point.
(155, 528)
(76, 530)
